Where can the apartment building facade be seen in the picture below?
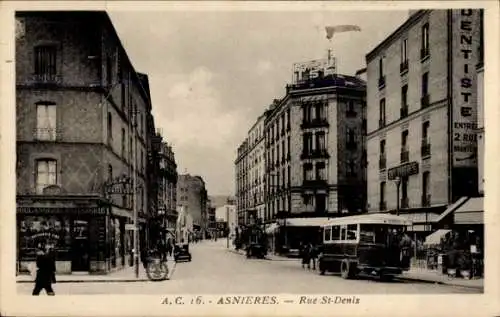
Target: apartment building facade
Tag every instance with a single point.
(242, 183)
(315, 163)
(421, 115)
(192, 196)
(81, 137)
(167, 193)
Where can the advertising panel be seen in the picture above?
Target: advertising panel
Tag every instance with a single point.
(466, 37)
(313, 69)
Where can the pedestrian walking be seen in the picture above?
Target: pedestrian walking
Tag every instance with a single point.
(306, 256)
(169, 247)
(314, 255)
(46, 270)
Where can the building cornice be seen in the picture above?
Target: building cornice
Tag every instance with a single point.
(410, 22)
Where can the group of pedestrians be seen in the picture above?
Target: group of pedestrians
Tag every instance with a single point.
(308, 253)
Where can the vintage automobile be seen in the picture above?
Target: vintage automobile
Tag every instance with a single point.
(255, 242)
(363, 244)
(181, 253)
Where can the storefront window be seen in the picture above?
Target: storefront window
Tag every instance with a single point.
(35, 231)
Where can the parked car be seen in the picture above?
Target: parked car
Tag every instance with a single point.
(181, 253)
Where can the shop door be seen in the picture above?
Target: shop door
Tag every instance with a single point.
(80, 246)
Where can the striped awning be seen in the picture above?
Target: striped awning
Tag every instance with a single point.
(313, 98)
(472, 212)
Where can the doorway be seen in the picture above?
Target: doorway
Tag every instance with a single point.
(80, 246)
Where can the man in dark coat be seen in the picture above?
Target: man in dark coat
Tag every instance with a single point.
(46, 273)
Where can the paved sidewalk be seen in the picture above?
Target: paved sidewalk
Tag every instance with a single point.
(423, 275)
(126, 274)
(272, 257)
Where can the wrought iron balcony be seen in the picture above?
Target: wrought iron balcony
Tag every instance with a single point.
(323, 153)
(316, 183)
(403, 67)
(47, 134)
(46, 79)
(381, 82)
(424, 53)
(315, 123)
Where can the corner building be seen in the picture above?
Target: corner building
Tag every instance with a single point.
(81, 114)
(315, 164)
(422, 116)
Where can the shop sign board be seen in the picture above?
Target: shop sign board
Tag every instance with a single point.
(407, 169)
(465, 39)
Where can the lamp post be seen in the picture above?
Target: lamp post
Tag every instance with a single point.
(228, 228)
(397, 181)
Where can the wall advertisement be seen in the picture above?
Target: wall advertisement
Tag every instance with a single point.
(465, 43)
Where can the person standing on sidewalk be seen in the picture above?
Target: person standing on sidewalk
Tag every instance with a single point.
(46, 273)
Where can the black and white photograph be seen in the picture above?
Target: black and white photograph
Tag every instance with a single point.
(238, 156)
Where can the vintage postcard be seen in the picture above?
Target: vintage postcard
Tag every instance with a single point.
(249, 158)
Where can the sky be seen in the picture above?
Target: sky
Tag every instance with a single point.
(213, 73)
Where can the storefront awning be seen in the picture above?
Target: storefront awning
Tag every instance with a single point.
(272, 228)
(451, 208)
(472, 212)
(435, 237)
(420, 217)
(306, 222)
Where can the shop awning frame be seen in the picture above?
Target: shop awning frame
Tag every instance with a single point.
(435, 237)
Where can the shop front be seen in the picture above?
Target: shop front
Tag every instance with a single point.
(86, 236)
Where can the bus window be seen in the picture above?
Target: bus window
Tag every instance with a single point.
(352, 232)
(343, 232)
(327, 234)
(335, 233)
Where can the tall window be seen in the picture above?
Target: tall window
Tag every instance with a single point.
(404, 140)
(425, 132)
(307, 109)
(425, 184)
(289, 176)
(382, 148)
(350, 106)
(308, 172)
(320, 141)
(110, 128)
(288, 118)
(425, 39)
(382, 111)
(404, 96)
(307, 143)
(350, 136)
(110, 172)
(45, 62)
(320, 111)
(382, 193)
(46, 174)
(283, 150)
(351, 168)
(404, 51)
(109, 70)
(381, 67)
(320, 171)
(123, 142)
(320, 202)
(425, 84)
(288, 147)
(46, 118)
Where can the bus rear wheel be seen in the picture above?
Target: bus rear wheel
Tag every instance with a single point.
(347, 269)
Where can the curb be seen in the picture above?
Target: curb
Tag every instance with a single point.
(438, 282)
(128, 280)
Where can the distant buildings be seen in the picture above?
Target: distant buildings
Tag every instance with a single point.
(83, 136)
(192, 194)
(227, 214)
(167, 192)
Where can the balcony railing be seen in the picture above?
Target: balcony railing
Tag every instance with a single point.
(405, 202)
(426, 200)
(403, 111)
(424, 101)
(424, 53)
(46, 79)
(382, 205)
(403, 67)
(315, 123)
(323, 153)
(405, 156)
(315, 183)
(381, 82)
(46, 134)
(382, 162)
(425, 149)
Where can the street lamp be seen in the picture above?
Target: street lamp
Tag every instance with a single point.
(397, 181)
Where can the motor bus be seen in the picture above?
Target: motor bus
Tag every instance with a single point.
(370, 243)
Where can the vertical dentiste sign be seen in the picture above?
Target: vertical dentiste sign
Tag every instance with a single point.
(465, 57)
